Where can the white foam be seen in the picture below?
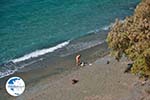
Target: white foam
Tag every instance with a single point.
(93, 31)
(105, 28)
(6, 73)
(40, 52)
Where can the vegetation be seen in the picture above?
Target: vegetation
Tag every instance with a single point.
(131, 38)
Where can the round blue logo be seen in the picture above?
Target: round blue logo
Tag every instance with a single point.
(15, 86)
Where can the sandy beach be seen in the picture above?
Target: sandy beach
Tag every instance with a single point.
(52, 70)
(49, 67)
(96, 81)
(99, 81)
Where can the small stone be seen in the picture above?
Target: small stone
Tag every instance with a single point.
(74, 81)
(107, 62)
(143, 83)
(128, 68)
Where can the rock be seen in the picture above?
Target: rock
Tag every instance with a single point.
(107, 62)
(74, 81)
(129, 66)
(143, 83)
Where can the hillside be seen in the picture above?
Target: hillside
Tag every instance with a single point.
(131, 38)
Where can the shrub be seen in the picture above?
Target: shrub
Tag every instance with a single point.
(131, 37)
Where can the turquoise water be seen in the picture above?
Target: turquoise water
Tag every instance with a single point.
(30, 25)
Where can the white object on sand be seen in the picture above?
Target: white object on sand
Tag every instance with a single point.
(90, 64)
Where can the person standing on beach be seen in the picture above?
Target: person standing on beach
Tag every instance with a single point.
(78, 60)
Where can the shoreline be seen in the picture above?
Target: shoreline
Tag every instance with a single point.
(32, 77)
(50, 76)
(76, 45)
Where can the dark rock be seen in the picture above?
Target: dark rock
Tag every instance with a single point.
(74, 81)
(129, 66)
(107, 62)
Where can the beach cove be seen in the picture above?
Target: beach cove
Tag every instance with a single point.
(55, 75)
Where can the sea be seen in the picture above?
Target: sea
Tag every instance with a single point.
(33, 28)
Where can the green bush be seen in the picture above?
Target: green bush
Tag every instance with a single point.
(131, 37)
